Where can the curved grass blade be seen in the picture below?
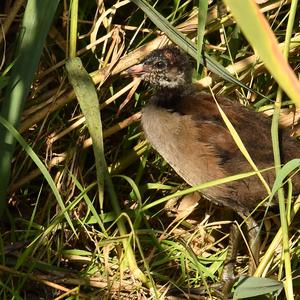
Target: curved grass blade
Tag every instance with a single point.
(200, 187)
(259, 34)
(87, 97)
(36, 22)
(40, 165)
(187, 45)
(287, 169)
(242, 147)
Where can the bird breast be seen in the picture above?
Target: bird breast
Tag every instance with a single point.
(176, 138)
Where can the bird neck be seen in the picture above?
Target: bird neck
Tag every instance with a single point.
(169, 97)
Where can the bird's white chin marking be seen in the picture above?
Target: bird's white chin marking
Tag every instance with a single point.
(168, 84)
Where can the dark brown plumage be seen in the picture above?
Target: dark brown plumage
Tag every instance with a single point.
(185, 126)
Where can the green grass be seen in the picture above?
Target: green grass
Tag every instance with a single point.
(64, 234)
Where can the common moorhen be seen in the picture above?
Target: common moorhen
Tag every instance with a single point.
(184, 125)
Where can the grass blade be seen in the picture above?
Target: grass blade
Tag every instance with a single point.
(185, 43)
(86, 94)
(40, 165)
(202, 13)
(261, 37)
(37, 19)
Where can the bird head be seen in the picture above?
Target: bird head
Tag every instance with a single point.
(167, 67)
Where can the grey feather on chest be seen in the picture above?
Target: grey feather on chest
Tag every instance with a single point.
(171, 135)
(161, 126)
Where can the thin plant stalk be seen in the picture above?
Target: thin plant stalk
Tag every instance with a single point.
(277, 161)
(73, 28)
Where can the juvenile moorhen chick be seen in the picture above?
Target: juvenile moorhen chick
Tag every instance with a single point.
(185, 127)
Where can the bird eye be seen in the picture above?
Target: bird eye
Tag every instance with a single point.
(160, 64)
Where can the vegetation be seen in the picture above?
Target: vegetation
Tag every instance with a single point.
(89, 210)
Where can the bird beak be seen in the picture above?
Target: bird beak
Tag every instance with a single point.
(136, 70)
